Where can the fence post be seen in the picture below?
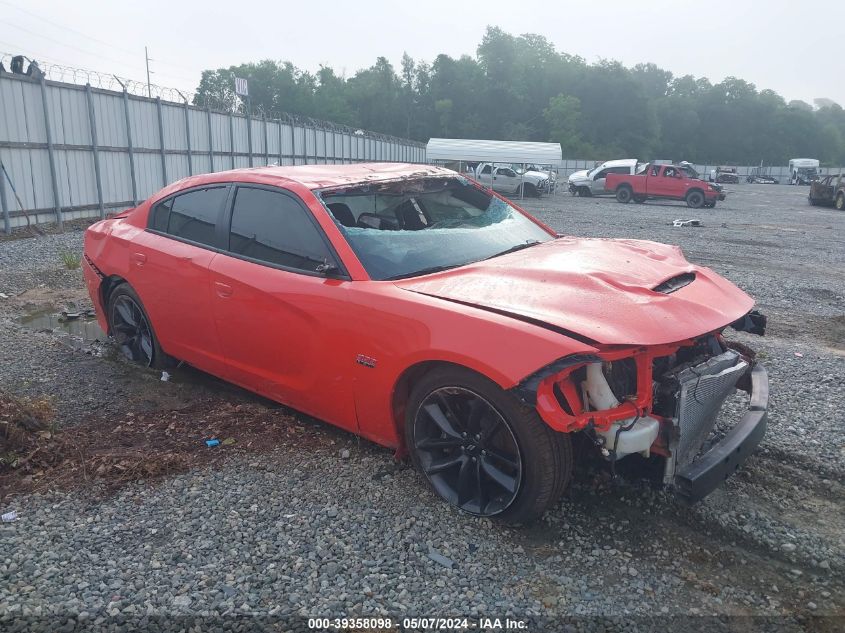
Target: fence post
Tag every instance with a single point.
(232, 137)
(280, 142)
(325, 146)
(210, 145)
(266, 145)
(161, 142)
(131, 149)
(292, 142)
(51, 155)
(7, 223)
(92, 120)
(188, 140)
(249, 135)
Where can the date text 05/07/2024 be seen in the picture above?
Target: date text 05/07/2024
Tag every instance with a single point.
(417, 624)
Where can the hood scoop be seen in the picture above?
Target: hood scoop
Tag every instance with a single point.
(675, 283)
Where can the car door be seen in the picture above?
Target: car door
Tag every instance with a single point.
(662, 182)
(281, 320)
(506, 180)
(170, 272)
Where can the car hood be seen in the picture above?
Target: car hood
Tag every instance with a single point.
(578, 175)
(599, 289)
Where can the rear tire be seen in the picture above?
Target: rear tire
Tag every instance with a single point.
(840, 202)
(639, 199)
(695, 199)
(132, 330)
(624, 194)
(467, 435)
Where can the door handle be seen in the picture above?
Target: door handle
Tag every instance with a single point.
(139, 259)
(223, 290)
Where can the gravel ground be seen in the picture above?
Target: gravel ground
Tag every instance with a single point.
(332, 526)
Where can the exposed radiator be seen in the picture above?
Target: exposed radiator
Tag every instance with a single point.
(703, 390)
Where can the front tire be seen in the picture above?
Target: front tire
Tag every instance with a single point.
(624, 194)
(840, 202)
(132, 330)
(482, 450)
(695, 199)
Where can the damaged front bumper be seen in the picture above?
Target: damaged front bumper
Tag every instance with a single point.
(661, 401)
(699, 478)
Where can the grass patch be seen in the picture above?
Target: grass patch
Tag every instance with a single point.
(70, 259)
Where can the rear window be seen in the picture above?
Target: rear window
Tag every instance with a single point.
(193, 215)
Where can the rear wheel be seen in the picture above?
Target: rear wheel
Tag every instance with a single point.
(624, 194)
(482, 450)
(840, 202)
(130, 327)
(639, 199)
(695, 199)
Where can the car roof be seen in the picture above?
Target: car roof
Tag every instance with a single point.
(619, 163)
(317, 176)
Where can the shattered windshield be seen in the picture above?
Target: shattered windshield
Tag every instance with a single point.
(414, 227)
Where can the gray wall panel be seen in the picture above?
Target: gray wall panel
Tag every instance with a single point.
(22, 121)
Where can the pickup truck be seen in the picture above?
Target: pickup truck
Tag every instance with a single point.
(504, 179)
(592, 182)
(663, 181)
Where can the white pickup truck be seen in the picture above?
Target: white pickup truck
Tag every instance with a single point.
(590, 182)
(504, 179)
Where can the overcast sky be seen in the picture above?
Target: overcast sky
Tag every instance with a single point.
(789, 46)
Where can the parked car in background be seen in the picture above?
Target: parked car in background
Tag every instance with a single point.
(803, 171)
(829, 190)
(663, 181)
(426, 313)
(543, 172)
(504, 179)
(761, 176)
(591, 182)
(724, 175)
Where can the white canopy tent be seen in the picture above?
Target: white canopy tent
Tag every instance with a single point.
(462, 151)
(475, 150)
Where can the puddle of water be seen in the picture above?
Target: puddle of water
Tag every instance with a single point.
(84, 327)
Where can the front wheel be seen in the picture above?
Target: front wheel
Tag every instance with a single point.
(840, 202)
(624, 194)
(482, 450)
(695, 199)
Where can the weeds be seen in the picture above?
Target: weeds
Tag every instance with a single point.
(70, 259)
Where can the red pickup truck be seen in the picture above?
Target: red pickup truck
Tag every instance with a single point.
(663, 181)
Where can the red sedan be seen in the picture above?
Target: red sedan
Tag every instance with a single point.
(424, 312)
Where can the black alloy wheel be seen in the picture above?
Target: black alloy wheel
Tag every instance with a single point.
(467, 451)
(131, 330)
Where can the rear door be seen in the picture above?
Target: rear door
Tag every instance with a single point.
(170, 272)
(283, 325)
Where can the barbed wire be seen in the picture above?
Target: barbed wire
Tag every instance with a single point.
(109, 81)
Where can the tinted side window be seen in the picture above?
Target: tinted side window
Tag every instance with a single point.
(193, 215)
(160, 215)
(272, 227)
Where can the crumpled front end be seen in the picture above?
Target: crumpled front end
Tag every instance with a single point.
(661, 401)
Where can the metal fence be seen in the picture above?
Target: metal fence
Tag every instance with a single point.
(69, 151)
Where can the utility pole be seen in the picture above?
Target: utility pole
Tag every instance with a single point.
(149, 89)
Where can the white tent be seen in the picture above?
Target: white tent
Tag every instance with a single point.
(474, 150)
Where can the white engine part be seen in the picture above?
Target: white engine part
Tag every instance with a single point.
(637, 439)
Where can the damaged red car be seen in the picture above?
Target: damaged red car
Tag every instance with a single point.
(410, 305)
